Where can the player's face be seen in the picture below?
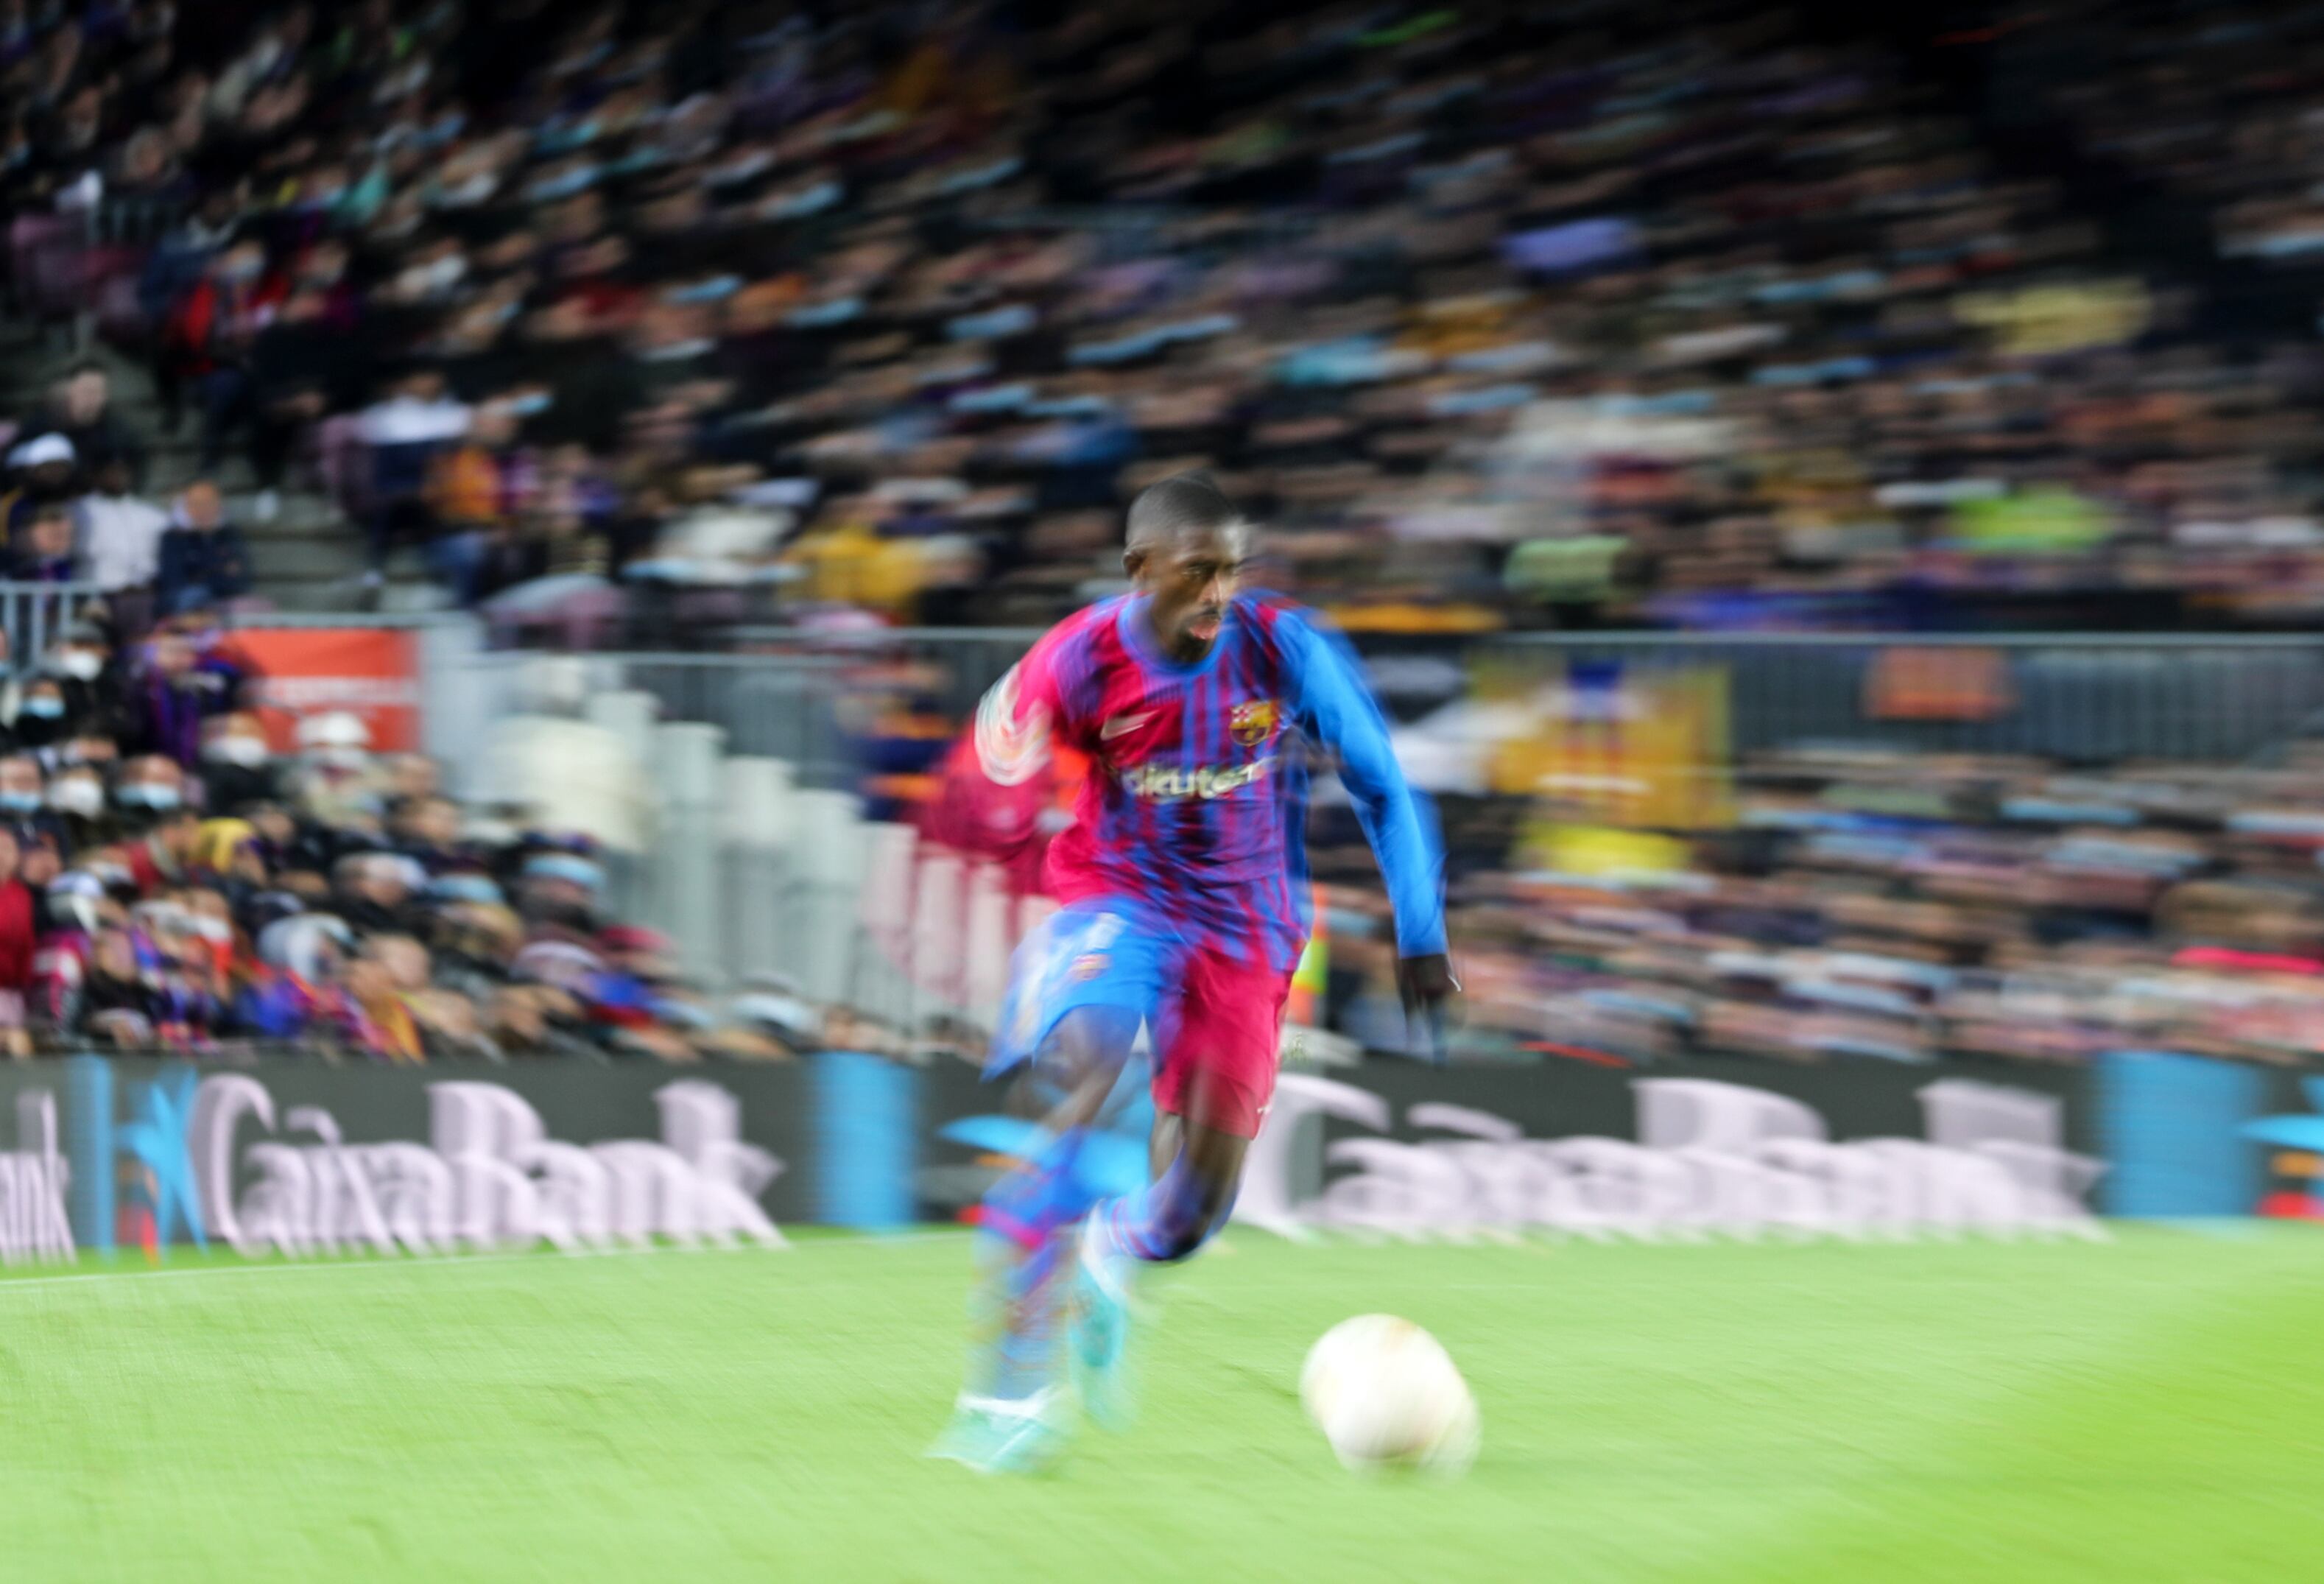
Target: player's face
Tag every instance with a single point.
(1190, 579)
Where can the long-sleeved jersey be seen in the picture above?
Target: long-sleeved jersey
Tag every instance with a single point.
(1195, 802)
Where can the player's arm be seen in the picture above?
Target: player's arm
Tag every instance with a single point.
(1031, 709)
(1335, 708)
(997, 779)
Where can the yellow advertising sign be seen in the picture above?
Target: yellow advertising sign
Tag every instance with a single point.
(1643, 747)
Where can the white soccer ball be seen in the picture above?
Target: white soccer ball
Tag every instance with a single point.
(1384, 1393)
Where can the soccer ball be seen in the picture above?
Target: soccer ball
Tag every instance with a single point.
(1384, 1393)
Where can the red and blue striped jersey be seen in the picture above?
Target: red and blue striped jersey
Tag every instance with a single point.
(1195, 802)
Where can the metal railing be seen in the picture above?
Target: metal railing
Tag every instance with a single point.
(32, 614)
(134, 220)
(2087, 698)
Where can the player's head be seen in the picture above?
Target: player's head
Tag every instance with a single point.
(1186, 550)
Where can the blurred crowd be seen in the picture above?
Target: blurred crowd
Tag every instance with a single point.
(1497, 315)
(1707, 315)
(1875, 905)
(169, 881)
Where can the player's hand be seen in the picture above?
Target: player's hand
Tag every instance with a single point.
(1425, 983)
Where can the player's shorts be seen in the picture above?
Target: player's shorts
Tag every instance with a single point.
(1216, 1021)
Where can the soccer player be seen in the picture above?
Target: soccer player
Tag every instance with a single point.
(1184, 893)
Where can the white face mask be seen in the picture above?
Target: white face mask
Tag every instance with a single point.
(249, 752)
(80, 664)
(350, 759)
(77, 794)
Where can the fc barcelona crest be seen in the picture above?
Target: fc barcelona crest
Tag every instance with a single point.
(1252, 722)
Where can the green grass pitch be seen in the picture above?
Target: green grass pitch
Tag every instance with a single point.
(2147, 1409)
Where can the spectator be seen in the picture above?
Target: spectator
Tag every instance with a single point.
(77, 798)
(44, 718)
(375, 984)
(376, 892)
(1485, 351)
(406, 432)
(303, 365)
(427, 830)
(479, 488)
(81, 408)
(18, 918)
(42, 552)
(163, 838)
(47, 468)
(208, 338)
(150, 784)
(22, 789)
(180, 262)
(120, 533)
(332, 783)
(405, 776)
(114, 1004)
(202, 561)
(41, 837)
(238, 763)
(180, 687)
(89, 681)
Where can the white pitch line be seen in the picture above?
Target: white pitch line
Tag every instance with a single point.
(455, 1261)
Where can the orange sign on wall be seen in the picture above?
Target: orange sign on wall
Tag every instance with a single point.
(1942, 684)
(307, 671)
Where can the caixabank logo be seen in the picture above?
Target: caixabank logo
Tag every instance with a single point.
(178, 1157)
(1708, 1158)
(34, 1221)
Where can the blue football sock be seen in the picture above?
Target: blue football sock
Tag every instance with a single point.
(1013, 1306)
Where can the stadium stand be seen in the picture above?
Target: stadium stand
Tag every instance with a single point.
(676, 325)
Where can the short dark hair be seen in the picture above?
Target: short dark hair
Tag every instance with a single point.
(1173, 505)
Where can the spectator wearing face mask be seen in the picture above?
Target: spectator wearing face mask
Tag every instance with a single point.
(23, 804)
(75, 797)
(203, 560)
(151, 784)
(41, 721)
(182, 687)
(24, 789)
(332, 785)
(82, 663)
(237, 764)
